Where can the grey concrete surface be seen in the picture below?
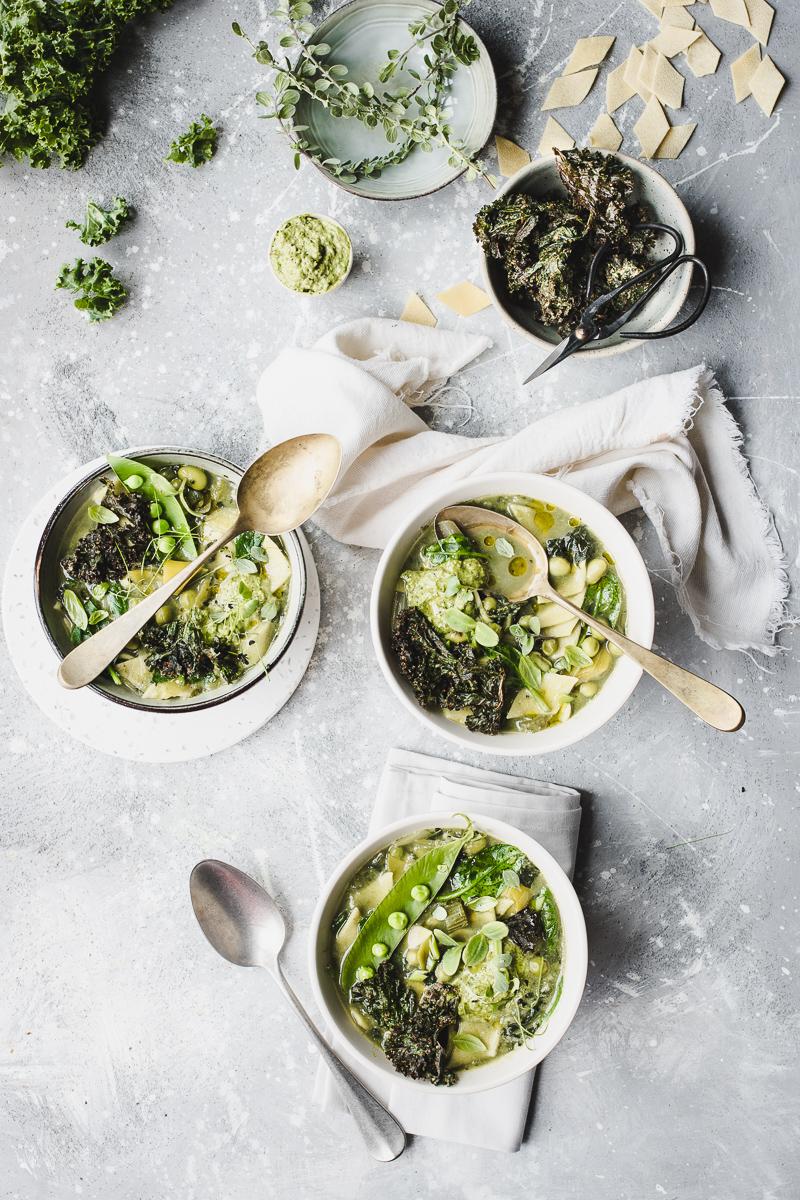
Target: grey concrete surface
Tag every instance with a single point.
(134, 1065)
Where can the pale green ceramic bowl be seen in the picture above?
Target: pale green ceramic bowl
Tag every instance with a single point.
(360, 34)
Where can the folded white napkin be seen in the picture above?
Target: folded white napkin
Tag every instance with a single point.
(667, 444)
(418, 783)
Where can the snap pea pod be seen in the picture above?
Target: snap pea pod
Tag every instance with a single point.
(428, 872)
(156, 487)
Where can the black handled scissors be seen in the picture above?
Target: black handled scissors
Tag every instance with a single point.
(592, 328)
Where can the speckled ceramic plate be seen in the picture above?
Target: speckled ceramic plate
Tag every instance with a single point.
(115, 729)
(360, 34)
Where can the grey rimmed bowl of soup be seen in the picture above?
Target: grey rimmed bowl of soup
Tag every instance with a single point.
(449, 950)
(132, 522)
(509, 678)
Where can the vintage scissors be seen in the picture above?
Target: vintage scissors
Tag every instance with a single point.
(592, 328)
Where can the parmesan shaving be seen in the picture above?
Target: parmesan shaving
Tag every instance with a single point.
(604, 134)
(673, 40)
(759, 21)
(588, 52)
(617, 90)
(465, 299)
(734, 11)
(510, 157)
(569, 90)
(742, 70)
(766, 84)
(675, 141)
(555, 138)
(667, 85)
(703, 56)
(651, 128)
(417, 312)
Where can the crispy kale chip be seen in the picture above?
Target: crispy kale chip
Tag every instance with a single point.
(100, 224)
(526, 930)
(197, 146)
(600, 188)
(51, 57)
(99, 293)
(576, 546)
(108, 551)
(417, 1047)
(177, 650)
(447, 675)
(385, 997)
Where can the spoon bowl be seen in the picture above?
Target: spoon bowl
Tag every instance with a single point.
(240, 919)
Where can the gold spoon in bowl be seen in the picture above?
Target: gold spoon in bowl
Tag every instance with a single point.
(277, 492)
(706, 700)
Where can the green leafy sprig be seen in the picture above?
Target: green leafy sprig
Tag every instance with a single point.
(411, 117)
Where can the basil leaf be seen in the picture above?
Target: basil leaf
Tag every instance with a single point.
(469, 1043)
(101, 515)
(75, 610)
(485, 635)
(451, 960)
(495, 931)
(476, 950)
(458, 620)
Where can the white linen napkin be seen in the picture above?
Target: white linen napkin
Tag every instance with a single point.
(419, 783)
(668, 444)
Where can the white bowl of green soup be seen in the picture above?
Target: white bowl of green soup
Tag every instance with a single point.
(507, 678)
(449, 951)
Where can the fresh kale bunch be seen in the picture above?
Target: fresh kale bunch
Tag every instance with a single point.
(99, 293)
(100, 224)
(51, 57)
(449, 675)
(197, 145)
(546, 244)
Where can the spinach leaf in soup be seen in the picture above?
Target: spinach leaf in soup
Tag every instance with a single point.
(576, 546)
(483, 873)
(604, 599)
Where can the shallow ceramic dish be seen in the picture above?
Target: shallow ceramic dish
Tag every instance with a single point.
(511, 1064)
(339, 282)
(666, 207)
(359, 34)
(47, 578)
(633, 574)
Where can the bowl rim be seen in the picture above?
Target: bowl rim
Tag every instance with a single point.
(515, 1062)
(572, 499)
(535, 167)
(200, 703)
(325, 219)
(351, 189)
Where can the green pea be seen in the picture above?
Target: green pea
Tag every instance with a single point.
(165, 545)
(380, 950)
(194, 476)
(364, 973)
(156, 509)
(397, 920)
(160, 526)
(134, 482)
(420, 893)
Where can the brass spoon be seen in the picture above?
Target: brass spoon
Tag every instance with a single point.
(278, 492)
(706, 700)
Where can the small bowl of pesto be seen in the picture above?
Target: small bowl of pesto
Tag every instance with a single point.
(539, 234)
(311, 254)
(130, 525)
(449, 950)
(487, 672)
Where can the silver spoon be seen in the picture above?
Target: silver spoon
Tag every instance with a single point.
(277, 492)
(243, 924)
(704, 699)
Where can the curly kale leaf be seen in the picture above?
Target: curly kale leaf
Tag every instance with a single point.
(449, 675)
(482, 873)
(108, 551)
(526, 930)
(99, 293)
(178, 651)
(100, 224)
(385, 997)
(51, 57)
(499, 223)
(197, 146)
(600, 187)
(576, 546)
(417, 1047)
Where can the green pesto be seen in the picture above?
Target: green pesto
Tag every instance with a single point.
(310, 254)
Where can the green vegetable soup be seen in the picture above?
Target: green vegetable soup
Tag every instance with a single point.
(447, 951)
(139, 528)
(491, 664)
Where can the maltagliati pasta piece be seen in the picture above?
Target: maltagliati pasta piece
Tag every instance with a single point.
(510, 157)
(742, 70)
(569, 90)
(588, 52)
(555, 137)
(651, 128)
(675, 141)
(604, 134)
(766, 84)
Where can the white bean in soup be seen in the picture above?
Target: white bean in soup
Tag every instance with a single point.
(491, 664)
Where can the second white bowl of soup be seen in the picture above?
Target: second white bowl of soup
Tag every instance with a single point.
(515, 680)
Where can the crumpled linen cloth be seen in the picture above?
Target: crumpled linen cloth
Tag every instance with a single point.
(667, 444)
(413, 784)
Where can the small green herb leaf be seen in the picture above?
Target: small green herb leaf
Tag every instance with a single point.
(460, 621)
(469, 1043)
(485, 635)
(451, 960)
(102, 516)
(476, 950)
(75, 610)
(504, 548)
(495, 931)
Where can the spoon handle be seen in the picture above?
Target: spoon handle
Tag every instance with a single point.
(706, 700)
(383, 1136)
(90, 658)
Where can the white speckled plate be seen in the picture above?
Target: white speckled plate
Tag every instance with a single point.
(113, 728)
(360, 34)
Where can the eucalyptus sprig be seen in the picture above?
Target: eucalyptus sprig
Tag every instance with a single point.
(413, 116)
